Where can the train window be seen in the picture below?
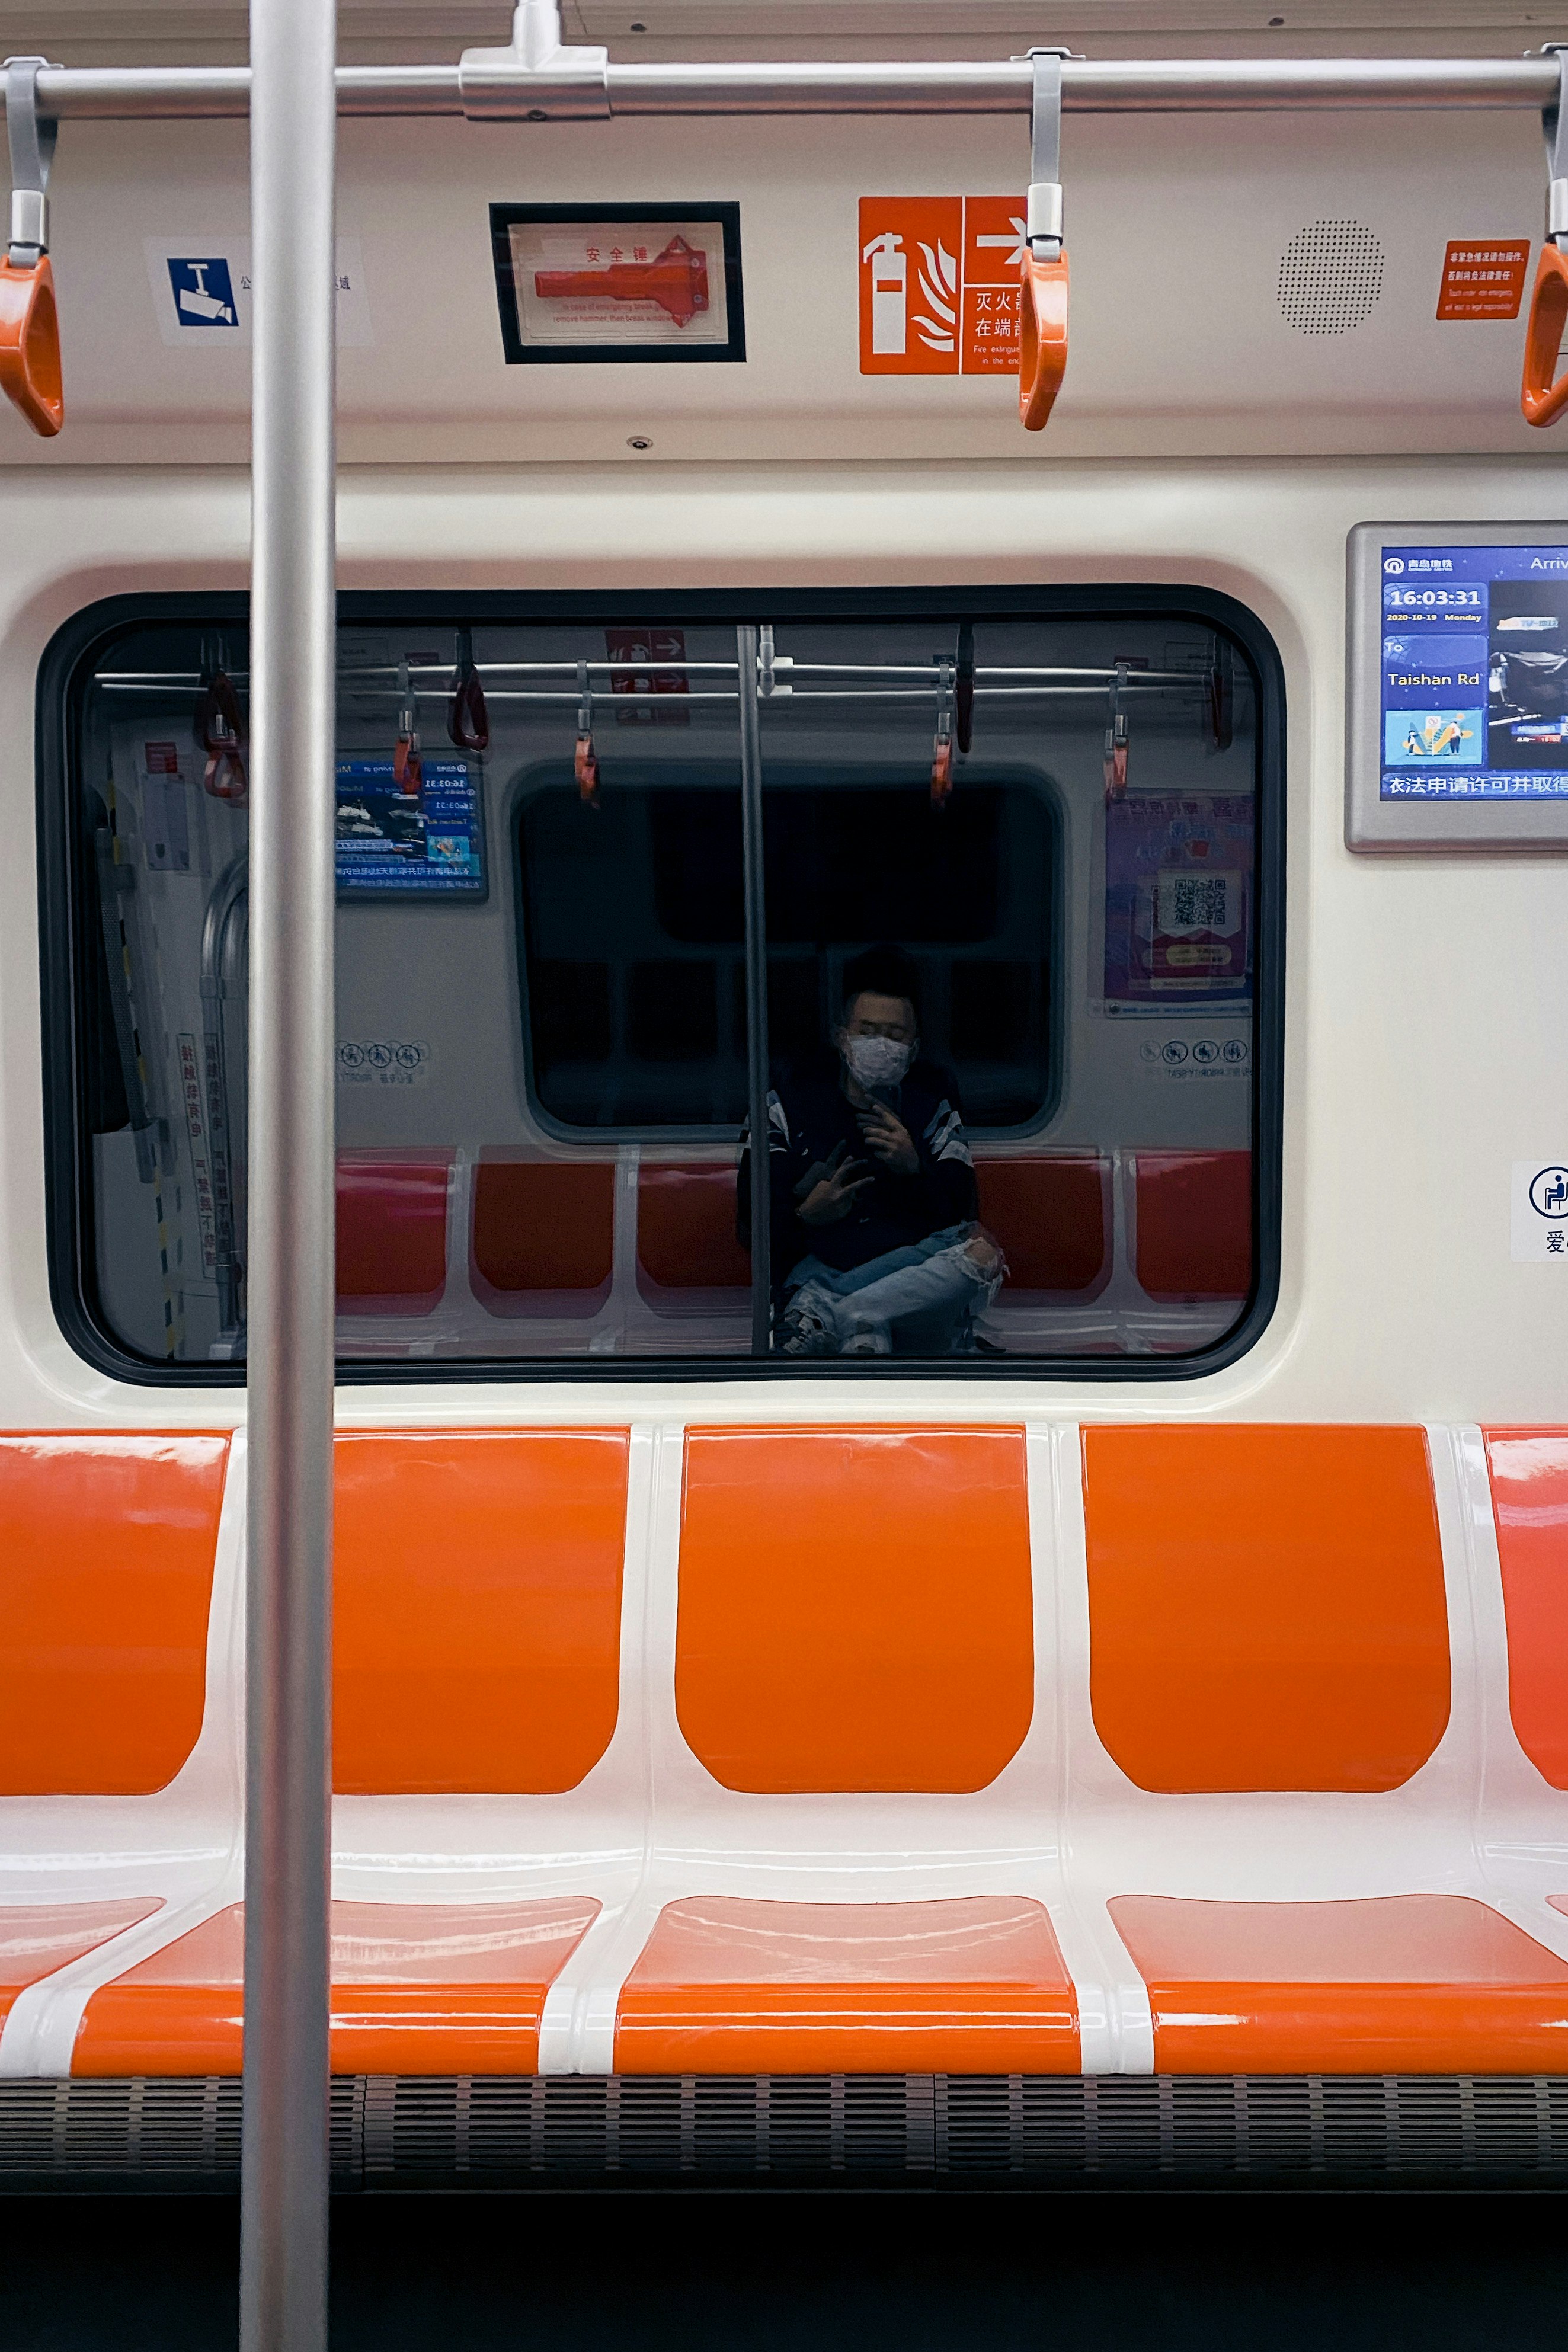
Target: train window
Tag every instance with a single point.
(1014, 943)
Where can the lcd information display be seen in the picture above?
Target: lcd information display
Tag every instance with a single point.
(1473, 696)
(396, 843)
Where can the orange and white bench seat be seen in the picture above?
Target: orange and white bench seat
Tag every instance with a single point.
(1014, 1750)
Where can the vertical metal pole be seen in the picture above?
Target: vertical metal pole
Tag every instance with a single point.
(753, 872)
(283, 2213)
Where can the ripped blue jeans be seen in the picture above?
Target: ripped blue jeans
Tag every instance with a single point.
(923, 1296)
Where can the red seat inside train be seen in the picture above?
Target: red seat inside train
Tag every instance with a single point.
(392, 1232)
(1194, 1224)
(543, 1239)
(1052, 1216)
(686, 1235)
(1265, 1687)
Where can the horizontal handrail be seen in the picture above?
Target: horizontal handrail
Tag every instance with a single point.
(1001, 85)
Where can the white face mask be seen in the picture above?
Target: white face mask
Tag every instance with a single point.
(876, 1061)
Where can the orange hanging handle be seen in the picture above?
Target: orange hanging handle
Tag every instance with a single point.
(1543, 396)
(407, 760)
(1043, 353)
(30, 374)
(1043, 344)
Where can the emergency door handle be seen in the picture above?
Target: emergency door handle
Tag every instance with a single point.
(1043, 356)
(30, 345)
(1545, 395)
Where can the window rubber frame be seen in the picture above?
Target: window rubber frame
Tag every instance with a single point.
(70, 1241)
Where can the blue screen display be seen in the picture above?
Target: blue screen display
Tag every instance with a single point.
(395, 843)
(1475, 673)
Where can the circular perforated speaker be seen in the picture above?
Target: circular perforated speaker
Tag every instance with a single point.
(1330, 275)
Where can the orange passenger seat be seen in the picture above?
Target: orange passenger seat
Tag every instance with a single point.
(106, 1574)
(476, 1595)
(854, 1614)
(1194, 1225)
(417, 1989)
(855, 1607)
(543, 1238)
(1267, 1606)
(1401, 1984)
(392, 1232)
(1528, 1471)
(971, 1984)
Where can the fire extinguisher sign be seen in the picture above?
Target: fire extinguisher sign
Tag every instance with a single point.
(940, 290)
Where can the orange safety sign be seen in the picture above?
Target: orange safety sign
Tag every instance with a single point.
(1483, 279)
(941, 290)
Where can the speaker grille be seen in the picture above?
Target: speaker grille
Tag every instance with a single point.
(1330, 277)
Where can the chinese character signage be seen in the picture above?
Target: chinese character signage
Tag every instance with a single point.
(632, 282)
(940, 285)
(1483, 280)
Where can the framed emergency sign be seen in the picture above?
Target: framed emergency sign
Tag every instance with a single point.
(618, 283)
(1458, 686)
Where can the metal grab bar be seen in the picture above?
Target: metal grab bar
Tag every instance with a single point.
(999, 86)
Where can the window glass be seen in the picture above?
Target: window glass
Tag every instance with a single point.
(1014, 942)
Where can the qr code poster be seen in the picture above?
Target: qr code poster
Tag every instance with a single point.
(1178, 898)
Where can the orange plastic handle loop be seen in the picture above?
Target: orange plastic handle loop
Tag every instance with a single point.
(225, 777)
(1043, 360)
(941, 772)
(1116, 772)
(587, 765)
(1545, 395)
(30, 344)
(408, 767)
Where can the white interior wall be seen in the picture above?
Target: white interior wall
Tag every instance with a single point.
(1425, 1048)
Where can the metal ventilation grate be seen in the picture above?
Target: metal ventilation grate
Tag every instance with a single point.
(513, 2131)
(1330, 277)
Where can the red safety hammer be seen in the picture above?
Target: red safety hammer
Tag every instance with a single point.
(677, 281)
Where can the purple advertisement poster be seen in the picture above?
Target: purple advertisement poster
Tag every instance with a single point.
(1178, 898)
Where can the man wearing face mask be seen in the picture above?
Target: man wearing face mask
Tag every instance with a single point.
(875, 1244)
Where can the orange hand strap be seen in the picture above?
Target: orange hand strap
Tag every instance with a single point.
(30, 345)
(1043, 360)
(30, 320)
(1544, 394)
(1043, 347)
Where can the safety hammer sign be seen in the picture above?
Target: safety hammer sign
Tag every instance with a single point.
(940, 286)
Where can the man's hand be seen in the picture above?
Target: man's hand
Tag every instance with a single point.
(890, 1139)
(833, 1195)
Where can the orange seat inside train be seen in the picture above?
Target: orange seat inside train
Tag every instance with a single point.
(854, 1624)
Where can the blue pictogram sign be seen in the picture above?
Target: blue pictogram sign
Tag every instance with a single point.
(203, 292)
